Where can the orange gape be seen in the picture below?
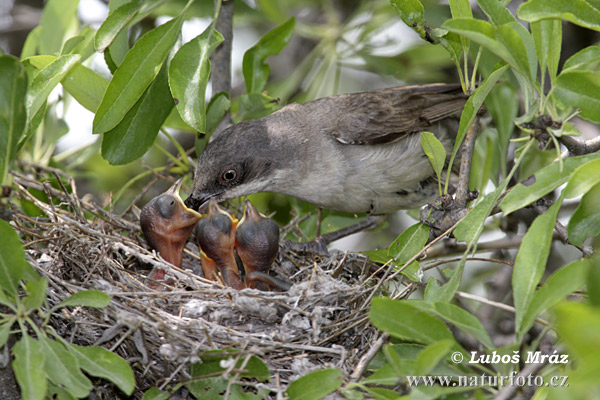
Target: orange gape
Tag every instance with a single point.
(216, 238)
(167, 224)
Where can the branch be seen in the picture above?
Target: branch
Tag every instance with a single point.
(576, 147)
(468, 147)
(221, 58)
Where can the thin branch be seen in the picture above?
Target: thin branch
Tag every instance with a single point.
(221, 58)
(576, 147)
(468, 147)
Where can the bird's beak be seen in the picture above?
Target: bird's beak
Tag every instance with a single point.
(250, 213)
(199, 201)
(167, 228)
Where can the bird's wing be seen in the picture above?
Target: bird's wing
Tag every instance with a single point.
(388, 115)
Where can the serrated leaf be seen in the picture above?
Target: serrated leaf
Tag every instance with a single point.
(315, 385)
(136, 133)
(445, 292)
(27, 366)
(86, 298)
(256, 71)
(530, 262)
(99, 362)
(13, 265)
(581, 89)
(116, 21)
(402, 320)
(559, 285)
(435, 151)
(188, 77)
(46, 80)
(543, 182)
(13, 86)
(57, 18)
(431, 355)
(579, 12)
(137, 71)
(585, 222)
(63, 368)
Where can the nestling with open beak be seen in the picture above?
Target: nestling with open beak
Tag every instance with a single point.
(257, 246)
(216, 238)
(167, 224)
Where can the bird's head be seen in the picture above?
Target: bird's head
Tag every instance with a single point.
(238, 162)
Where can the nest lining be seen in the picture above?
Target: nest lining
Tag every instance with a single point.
(322, 321)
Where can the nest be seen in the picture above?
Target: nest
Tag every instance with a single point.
(321, 322)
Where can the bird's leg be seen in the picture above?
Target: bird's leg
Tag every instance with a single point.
(319, 245)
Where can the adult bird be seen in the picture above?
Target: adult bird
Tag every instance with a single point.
(357, 152)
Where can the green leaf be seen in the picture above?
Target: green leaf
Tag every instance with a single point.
(586, 59)
(46, 80)
(85, 85)
(256, 71)
(479, 31)
(136, 133)
(36, 293)
(116, 21)
(459, 317)
(460, 8)
(137, 71)
(13, 116)
(57, 18)
(473, 105)
(188, 77)
(585, 222)
(412, 13)
(315, 385)
(99, 362)
(559, 285)
(82, 44)
(579, 12)
(496, 12)
(402, 320)
(216, 110)
(13, 265)
(435, 151)
(431, 355)
(543, 182)
(547, 35)
(32, 43)
(530, 263)
(434, 292)
(409, 243)
(63, 368)
(579, 89)
(583, 179)
(469, 229)
(86, 298)
(155, 393)
(27, 366)
(519, 44)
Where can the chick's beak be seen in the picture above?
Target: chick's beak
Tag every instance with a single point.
(167, 224)
(216, 239)
(257, 244)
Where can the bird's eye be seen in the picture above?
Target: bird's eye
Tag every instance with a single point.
(229, 175)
